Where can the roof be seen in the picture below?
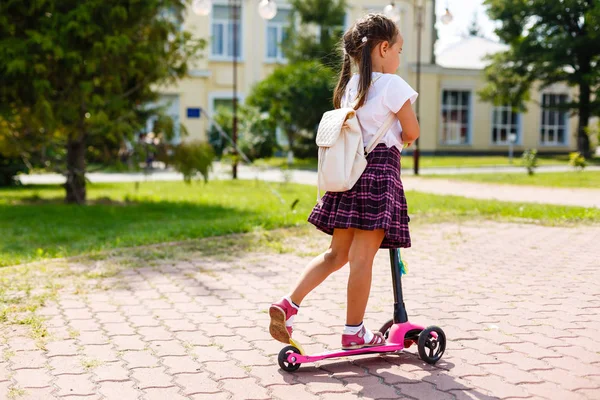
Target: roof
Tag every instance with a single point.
(468, 53)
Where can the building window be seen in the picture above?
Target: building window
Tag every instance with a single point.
(554, 120)
(222, 32)
(223, 103)
(456, 110)
(276, 34)
(505, 122)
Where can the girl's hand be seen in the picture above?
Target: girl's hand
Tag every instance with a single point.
(410, 125)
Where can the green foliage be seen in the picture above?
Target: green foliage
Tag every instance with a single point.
(529, 160)
(79, 75)
(508, 81)
(323, 16)
(593, 132)
(256, 132)
(577, 160)
(193, 158)
(549, 41)
(9, 168)
(295, 97)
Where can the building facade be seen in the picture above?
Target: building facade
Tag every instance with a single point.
(453, 118)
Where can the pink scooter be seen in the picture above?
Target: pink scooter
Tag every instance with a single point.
(399, 333)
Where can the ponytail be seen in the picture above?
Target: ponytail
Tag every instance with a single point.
(365, 69)
(345, 76)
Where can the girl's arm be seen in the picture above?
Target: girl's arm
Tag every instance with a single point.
(410, 125)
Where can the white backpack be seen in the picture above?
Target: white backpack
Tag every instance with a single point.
(342, 154)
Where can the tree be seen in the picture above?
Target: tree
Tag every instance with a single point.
(76, 74)
(550, 41)
(317, 36)
(475, 29)
(256, 132)
(295, 97)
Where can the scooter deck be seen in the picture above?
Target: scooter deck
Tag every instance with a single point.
(387, 348)
(395, 342)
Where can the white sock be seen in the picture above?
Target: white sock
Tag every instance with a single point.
(290, 321)
(368, 335)
(289, 299)
(353, 330)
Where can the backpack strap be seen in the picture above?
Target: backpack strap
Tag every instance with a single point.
(382, 131)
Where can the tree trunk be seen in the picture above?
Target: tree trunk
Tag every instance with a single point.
(583, 140)
(75, 185)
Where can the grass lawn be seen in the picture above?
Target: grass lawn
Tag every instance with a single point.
(432, 161)
(280, 162)
(574, 179)
(483, 161)
(36, 225)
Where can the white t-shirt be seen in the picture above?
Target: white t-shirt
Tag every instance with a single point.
(387, 94)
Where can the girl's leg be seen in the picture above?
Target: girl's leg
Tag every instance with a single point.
(362, 253)
(283, 312)
(324, 264)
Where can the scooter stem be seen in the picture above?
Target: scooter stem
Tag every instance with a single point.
(400, 315)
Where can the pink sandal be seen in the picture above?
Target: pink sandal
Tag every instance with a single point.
(282, 316)
(357, 341)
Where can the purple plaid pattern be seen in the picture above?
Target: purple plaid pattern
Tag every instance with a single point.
(376, 201)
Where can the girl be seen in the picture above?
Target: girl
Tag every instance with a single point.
(373, 214)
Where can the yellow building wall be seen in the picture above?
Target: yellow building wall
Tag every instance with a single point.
(435, 79)
(210, 79)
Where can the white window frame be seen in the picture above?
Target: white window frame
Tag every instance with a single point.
(470, 109)
(281, 26)
(500, 125)
(173, 101)
(222, 95)
(556, 126)
(225, 23)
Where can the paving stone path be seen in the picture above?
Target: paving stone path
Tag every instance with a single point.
(520, 305)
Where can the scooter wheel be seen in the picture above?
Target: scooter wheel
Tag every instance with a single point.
(432, 344)
(283, 359)
(385, 328)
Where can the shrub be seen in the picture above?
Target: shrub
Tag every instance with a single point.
(577, 160)
(193, 158)
(9, 168)
(530, 160)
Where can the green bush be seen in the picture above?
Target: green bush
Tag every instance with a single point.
(193, 158)
(530, 160)
(577, 160)
(295, 97)
(9, 168)
(256, 133)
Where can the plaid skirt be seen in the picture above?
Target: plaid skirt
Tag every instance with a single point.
(376, 201)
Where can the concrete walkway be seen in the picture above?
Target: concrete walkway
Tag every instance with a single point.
(247, 172)
(520, 305)
(516, 193)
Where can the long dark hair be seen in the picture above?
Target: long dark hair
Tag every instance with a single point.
(357, 43)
